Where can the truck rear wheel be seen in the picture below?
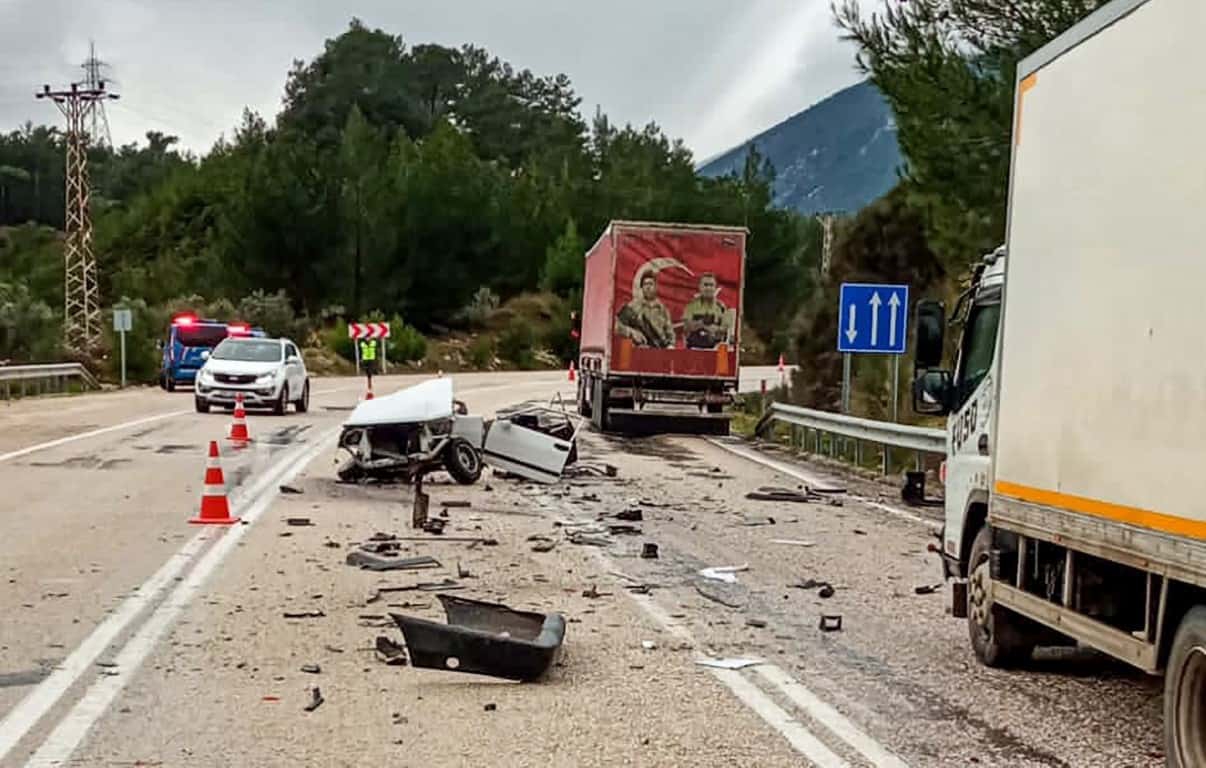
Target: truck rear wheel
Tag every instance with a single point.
(598, 405)
(994, 632)
(1185, 693)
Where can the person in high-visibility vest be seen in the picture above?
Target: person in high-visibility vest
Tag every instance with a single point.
(368, 359)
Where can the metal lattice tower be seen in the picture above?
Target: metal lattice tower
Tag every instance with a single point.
(827, 222)
(81, 319)
(94, 79)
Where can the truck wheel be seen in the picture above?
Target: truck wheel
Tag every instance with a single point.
(583, 400)
(598, 405)
(1185, 693)
(462, 461)
(994, 634)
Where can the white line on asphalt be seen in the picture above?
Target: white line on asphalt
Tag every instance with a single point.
(800, 738)
(90, 433)
(70, 732)
(799, 474)
(830, 718)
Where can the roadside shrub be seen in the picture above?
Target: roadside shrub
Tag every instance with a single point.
(558, 340)
(274, 313)
(515, 344)
(478, 310)
(29, 329)
(406, 343)
(481, 353)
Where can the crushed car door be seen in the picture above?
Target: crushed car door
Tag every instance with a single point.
(526, 452)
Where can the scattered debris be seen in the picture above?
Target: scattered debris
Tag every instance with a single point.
(858, 532)
(456, 504)
(725, 573)
(390, 652)
(303, 614)
(316, 699)
(484, 638)
(542, 543)
(372, 562)
(794, 542)
(594, 593)
(623, 530)
(311, 669)
(490, 707)
(752, 521)
(756, 623)
(594, 540)
(332, 649)
(291, 489)
(422, 586)
(298, 522)
(783, 494)
(716, 597)
(463, 573)
(649, 551)
(738, 663)
(435, 525)
(913, 491)
(483, 540)
(632, 515)
(270, 698)
(927, 589)
(649, 645)
(831, 623)
(825, 591)
(332, 545)
(640, 589)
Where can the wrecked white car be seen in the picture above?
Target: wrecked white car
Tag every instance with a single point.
(423, 428)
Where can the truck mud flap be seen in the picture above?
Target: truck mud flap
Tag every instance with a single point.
(647, 422)
(484, 639)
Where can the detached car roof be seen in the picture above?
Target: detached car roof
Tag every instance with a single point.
(429, 401)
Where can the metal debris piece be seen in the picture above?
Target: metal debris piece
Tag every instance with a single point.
(623, 530)
(927, 589)
(825, 592)
(794, 542)
(725, 573)
(422, 586)
(649, 645)
(756, 623)
(298, 522)
(484, 638)
(332, 649)
(858, 532)
(485, 541)
(728, 663)
(784, 494)
(303, 614)
(639, 589)
(311, 669)
(831, 623)
(291, 489)
(456, 504)
(752, 521)
(593, 593)
(633, 514)
(649, 551)
(490, 707)
(316, 699)
(372, 562)
(594, 540)
(435, 525)
(716, 597)
(542, 543)
(390, 652)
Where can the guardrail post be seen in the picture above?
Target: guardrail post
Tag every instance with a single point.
(919, 460)
(858, 452)
(887, 460)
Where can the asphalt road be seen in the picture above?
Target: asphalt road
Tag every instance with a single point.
(132, 638)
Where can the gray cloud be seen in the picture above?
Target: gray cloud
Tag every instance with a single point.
(712, 72)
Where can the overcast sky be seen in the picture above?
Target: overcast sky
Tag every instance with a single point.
(712, 72)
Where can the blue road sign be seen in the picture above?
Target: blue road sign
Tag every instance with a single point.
(873, 318)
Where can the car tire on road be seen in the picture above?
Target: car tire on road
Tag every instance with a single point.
(169, 383)
(1185, 693)
(996, 633)
(303, 403)
(201, 404)
(282, 401)
(462, 461)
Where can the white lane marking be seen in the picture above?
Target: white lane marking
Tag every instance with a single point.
(90, 433)
(830, 718)
(800, 738)
(799, 474)
(70, 732)
(23, 717)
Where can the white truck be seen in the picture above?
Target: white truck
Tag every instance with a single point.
(1076, 467)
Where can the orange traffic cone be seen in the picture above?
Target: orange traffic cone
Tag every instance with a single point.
(214, 508)
(573, 376)
(238, 430)
(369, 394)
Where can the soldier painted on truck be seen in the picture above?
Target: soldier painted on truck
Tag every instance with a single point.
(707, 322)
(645, 319)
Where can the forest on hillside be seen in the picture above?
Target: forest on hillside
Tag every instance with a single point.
(422, 183)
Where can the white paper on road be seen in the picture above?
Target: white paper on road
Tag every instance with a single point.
(738, 663)
(724, 572)
(794, 542)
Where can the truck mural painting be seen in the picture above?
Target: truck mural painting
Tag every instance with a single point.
(661, 317)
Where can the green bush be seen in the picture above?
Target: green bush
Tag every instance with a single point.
(274, 313)
(29, 329)
(406, 343)
(558, 339)
(481, 352)
(477, 312)
(515, 344)
(337, 340)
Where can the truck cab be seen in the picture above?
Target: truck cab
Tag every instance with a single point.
(966, 396)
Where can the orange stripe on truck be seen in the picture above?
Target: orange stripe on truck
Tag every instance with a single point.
(1024, 87)
(1144, 518)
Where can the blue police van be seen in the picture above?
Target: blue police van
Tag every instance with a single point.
(189, 341)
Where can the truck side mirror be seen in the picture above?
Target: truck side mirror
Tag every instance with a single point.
(931, 328)
(932, 391)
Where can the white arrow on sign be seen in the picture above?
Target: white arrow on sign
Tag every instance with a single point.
(875, 302)
(851, 333)
(894, 303)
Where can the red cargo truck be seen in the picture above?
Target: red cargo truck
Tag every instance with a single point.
(661, 326)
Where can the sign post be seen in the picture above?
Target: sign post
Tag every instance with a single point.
(123, 321)
(358, 331)
(872, 319)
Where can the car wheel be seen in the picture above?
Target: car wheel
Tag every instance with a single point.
(201, 404)
(278, 408)
(303, 403)
(169, 383)
(462, 461)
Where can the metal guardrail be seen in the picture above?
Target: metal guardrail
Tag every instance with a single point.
(921, 440)
(40, 379)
